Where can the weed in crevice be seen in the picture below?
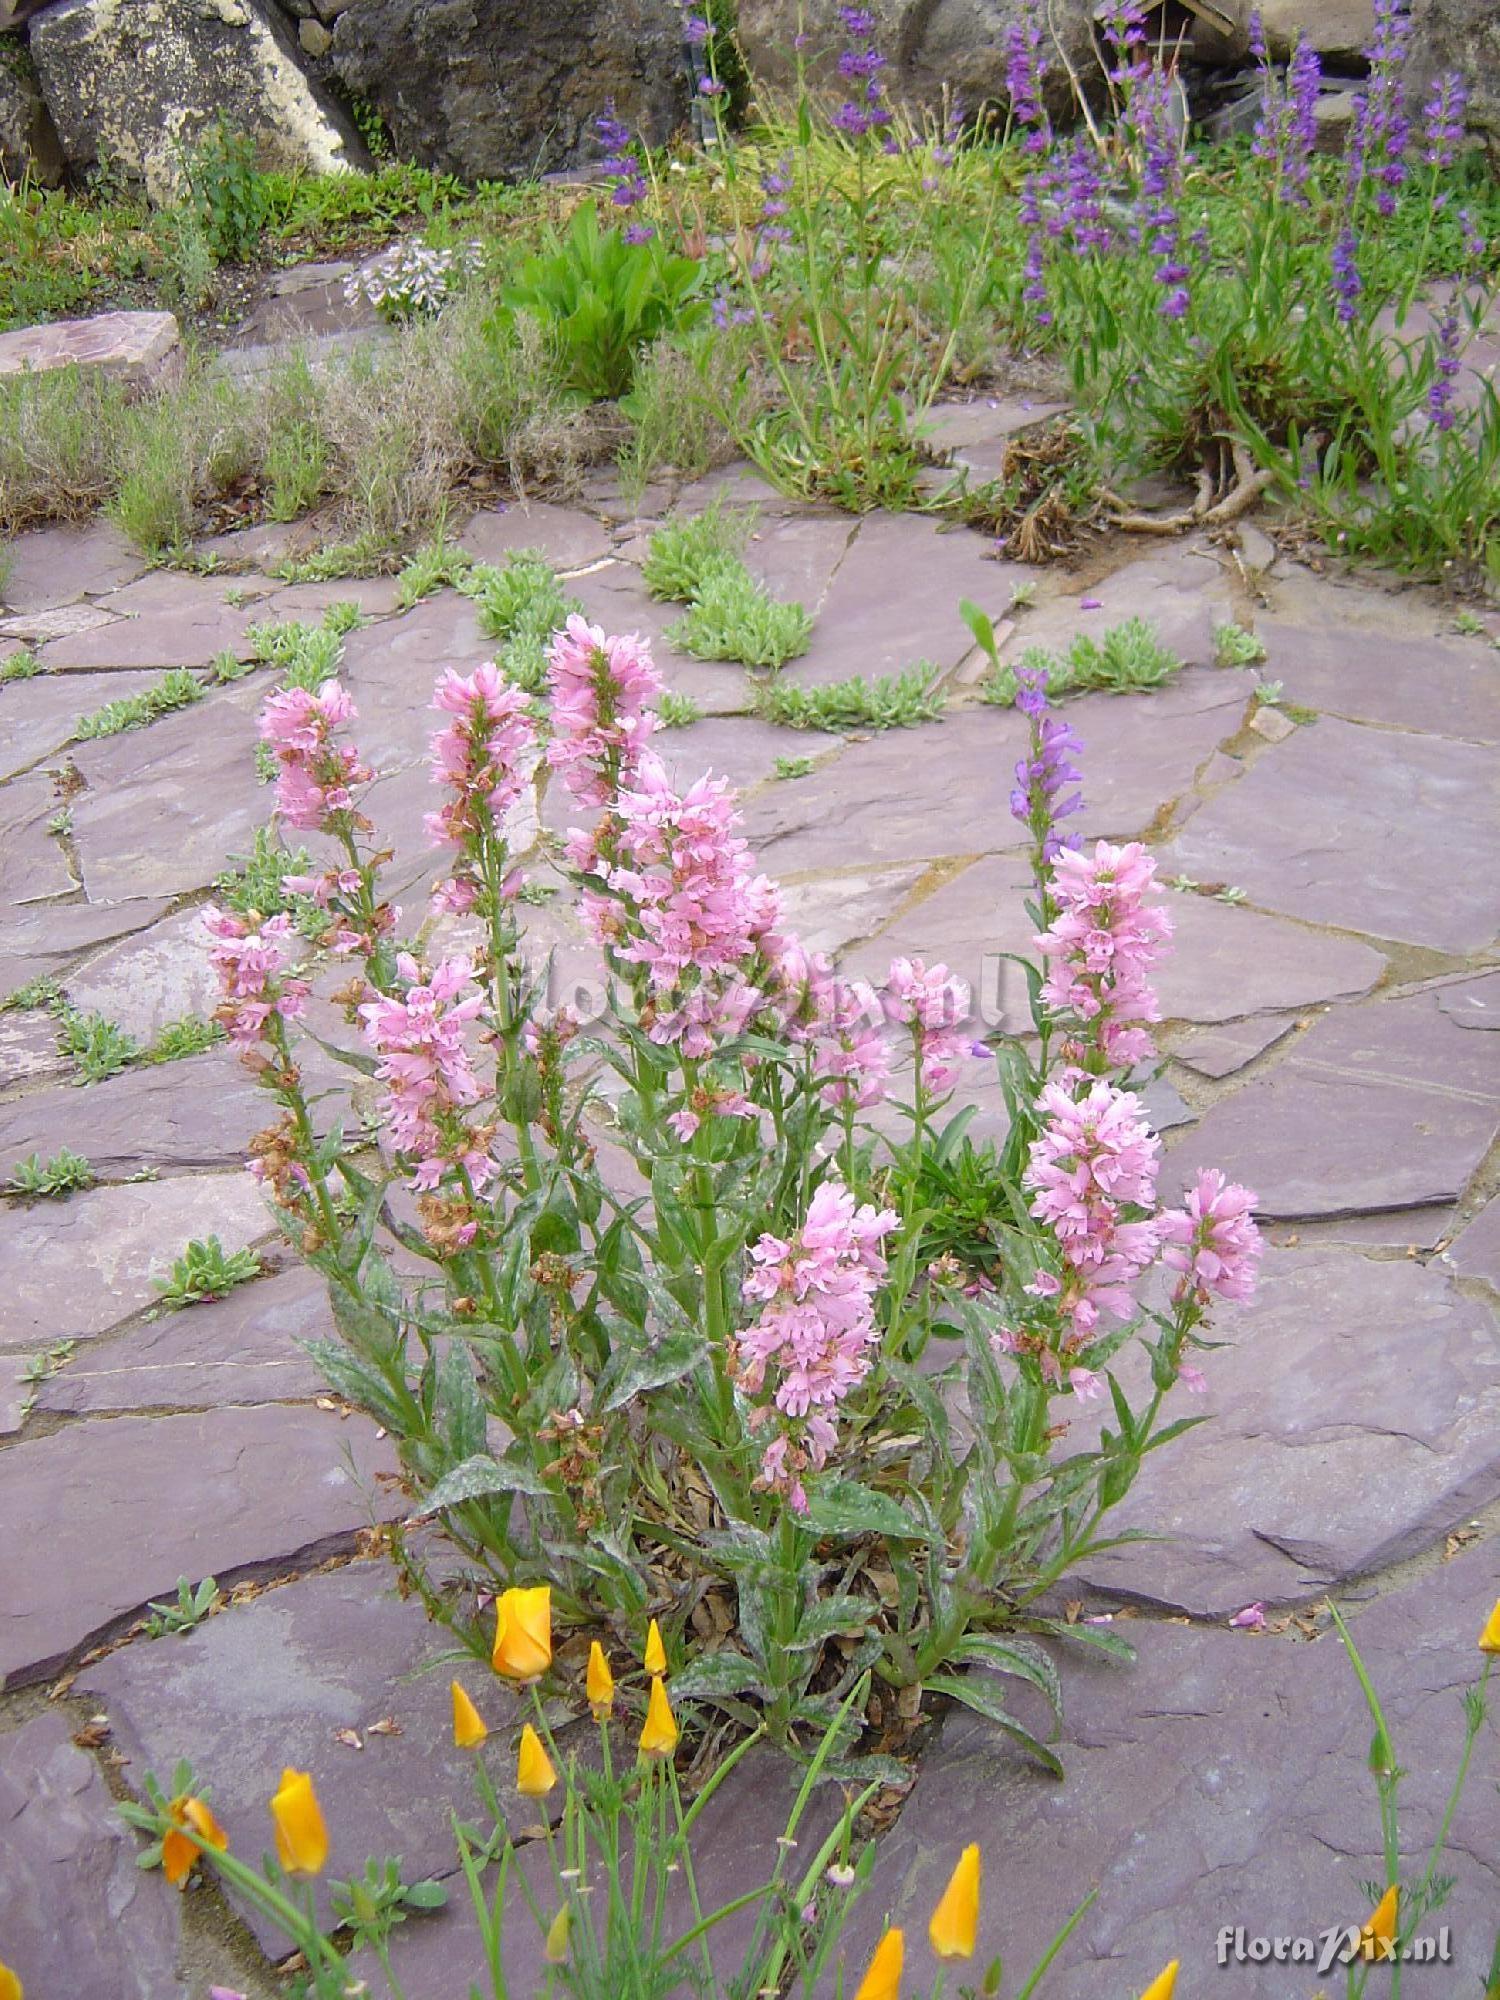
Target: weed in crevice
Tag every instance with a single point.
(1129, 659)
(253, 884)
(22, 665)
(684, 553)
(305, 656)
(1235, 646)
(190, 1607)
(522, 603)
(95, 1045)
(44, 995)
(436, 564)
(206, 1271)
(787, 768)
(188, 1037)
(36, 1179)
(735, 618)
(176, 689)
(677, 711)
(894, 701)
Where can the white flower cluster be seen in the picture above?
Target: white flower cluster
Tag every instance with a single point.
(411, 280)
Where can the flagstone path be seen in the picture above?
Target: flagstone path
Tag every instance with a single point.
(1332, 1013)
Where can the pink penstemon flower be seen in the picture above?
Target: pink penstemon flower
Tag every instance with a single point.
(816, 1329)
(427, 1070)
(1100, 948)
(484, 758)
(1212, 1241)
(1095, 1158)
(934, 1004)
(251, 962)
(316, 777)
(600, 686)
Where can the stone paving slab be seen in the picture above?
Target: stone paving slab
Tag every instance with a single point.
(79, 1919)
(1358, 827)
(61, 621)
(1473, 1003)
(567, 538)
(28, 1049)
(1180, 590)
(1221, 1780)
(1475, 1252)
(1439, 688)
(197, 1112)
(67, 560)
(140, 350)
(246, 1348)
(166, 620)
(155, 977)
(107, 1514)
(1311, 1470)
(78, 1266)
(38, 939)
(1384, 1106)
(33, 862)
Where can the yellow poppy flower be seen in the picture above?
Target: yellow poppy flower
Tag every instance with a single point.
(1377, 1937)
(179, 1853)
(883, 1980)
(956, 1918)
(1489, 1638)
(660, 1733)
(301, 1837)
(555, 1951)
(654, 1659)
(10, 1985)
(523, 1633)
(1162, 1986)
(599, 1684)
(535, 1776)
(468, 1724)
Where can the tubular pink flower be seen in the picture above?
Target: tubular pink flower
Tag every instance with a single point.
(1095, 1157)
(1212, 1240)
(485, 757)
(852, 1052)
(251, 964)
(426, 1069)
(1102, 945)
(817, 1328)
(315, 777)
(934, 1004)
(600, 721)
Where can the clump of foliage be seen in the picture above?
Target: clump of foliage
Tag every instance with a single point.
(686, 551)
(677, 711)
(36, 1179)
(21, 665)
(192, 1604)
(206, 1271)
(1235, 646)
(1129, 658)
(733, 617)
(188, 1037)
(95, 1045)
(178, 688)
(520, 602)
(429, 568)
(891, 701)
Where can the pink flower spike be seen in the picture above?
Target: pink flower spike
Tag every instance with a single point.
(1251, 1619)
(1085, 1384)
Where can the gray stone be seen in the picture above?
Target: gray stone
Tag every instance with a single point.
(315, 39)
(105, 1516)
(1358, 827)
(1461, 36)
(567, 538)
(16, 1392)
(500, 91)
(139, 350)
(155, 977)
(1384, 1106)
(246, 1348)
(1271, 724)
(1227, 961)
(136, 82)
(40, 938)
(79, 1266)
(167, 805)
(68, 560)
(198, 1112)
(375, 596)
(1337, 28)
(1222, 1051)
(1441, 688)
(958, 50)
(28, 1048)
(1473, 1003)
(78, 1917)
(33, 862)
(1180, 590)
(166, 621)
(1308, 1472)
(1219, 1781)
(60, 622)
(28, 138)
(1475, 1252)
(39, 714)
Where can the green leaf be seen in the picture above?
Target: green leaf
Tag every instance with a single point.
(714, 1674)
(1018, 1657)
(477, 1477)
(984, 1700)
(845, 1507)
(827, 1618)
(634, 1370)
(426, 1896)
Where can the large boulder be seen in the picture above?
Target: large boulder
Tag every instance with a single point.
(1461, 35)
(1340, 30)
(137, 81)
(28, 142)
(933, 47)
(495, 88)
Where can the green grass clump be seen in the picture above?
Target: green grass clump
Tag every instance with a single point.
(429, 568)
(735, 618)
(188, 1037)
(44, 994)
(252, 884)
(176, 689)
(895, 701)
(20, 666)
(786, 768)
(1129, 658)
(677, 711)
(206, 1271)
(684, 554)
(305, 655)
(97, 1046)
(36, 1179)
(1234, 646)
(522, 603)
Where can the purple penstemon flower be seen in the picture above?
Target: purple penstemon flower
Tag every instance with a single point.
(696, 30)
(1285, 131)
(1161, 181)
(860, 63)
(1040, 797)
(1446, 365)
(623, 167)
(1082, 212)
(1347, 283)
(1443, 120)
(1378, 140)
(1024, 71)
(1125, 32)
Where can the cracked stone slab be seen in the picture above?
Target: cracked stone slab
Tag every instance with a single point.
(169, 804)
(944, 789)
(65, 561)
(796, 555)
(28, 1048)
(1222, 1050)
(197, 1112)
(306, 603)
(1220, 1780)
(38, 939)
(61, 621)
(1475, 1251)
(1358, 827)
(33, 863)
(136, 349)
(1179, 590)
(246, 1348)
(1438, 687)
(155, 977)
(78, 1266)
(165, 620)
(107, 1514)
(78, 1917)
(566, 537)
(1381, 1106)
(1473, 1003)
(1310, 1471)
